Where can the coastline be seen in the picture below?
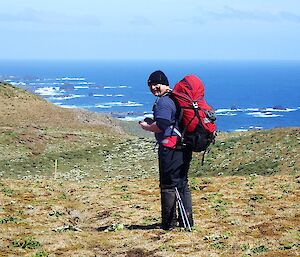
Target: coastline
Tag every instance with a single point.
(118, 89)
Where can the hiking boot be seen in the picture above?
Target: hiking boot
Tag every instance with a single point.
(169, 226)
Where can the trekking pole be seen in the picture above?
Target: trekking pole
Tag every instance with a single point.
(183, 214)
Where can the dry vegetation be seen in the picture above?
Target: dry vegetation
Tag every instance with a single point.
(19, 108)
(234, 216)
(105, 198)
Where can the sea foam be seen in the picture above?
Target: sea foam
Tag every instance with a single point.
(264, 114)
(48, 91)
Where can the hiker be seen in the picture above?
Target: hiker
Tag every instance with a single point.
(173, 163)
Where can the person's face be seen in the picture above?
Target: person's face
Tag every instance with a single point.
(158, 89)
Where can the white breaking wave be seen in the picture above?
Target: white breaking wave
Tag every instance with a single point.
(268, 109)
(264, 114)
(43, 83)
(118, 104)
(240, 130)
(57, 103)
(255, 127)
(125, 104)
(226, 114)
(68, 106)
(136, 118)
(103, 106)
(132, 118)
(18, 83)
(48, 91)
(109, 87)
(72, 106)
(113, 87)
(281, 110)
(111, 95)
(66, 97)
(269, 112)
(70, 78)
(81, 87)
(229, 110)
(82, 83)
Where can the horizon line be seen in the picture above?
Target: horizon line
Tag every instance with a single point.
(147, 59)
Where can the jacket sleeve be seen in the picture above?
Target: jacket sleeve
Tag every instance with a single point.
(164, 110)
(163, 124)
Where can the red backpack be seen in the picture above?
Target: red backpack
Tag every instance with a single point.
(197, 120)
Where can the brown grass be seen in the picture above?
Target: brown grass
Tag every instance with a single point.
(23, 109)
(234, 216)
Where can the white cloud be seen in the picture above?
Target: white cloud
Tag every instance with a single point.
(230, 13)
(51, 18)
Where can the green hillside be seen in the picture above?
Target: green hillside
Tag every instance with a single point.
(35, 133)
(266, 152)
(73, 183)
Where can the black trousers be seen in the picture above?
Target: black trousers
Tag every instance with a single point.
(173, 172)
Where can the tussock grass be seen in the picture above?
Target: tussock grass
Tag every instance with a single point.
(265, 152)
(96, 217)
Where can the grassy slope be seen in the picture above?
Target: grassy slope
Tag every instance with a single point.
(34, 133)
(265, 152)
(19, 108)
(235, 216)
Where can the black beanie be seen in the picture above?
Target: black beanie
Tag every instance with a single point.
(158, 77)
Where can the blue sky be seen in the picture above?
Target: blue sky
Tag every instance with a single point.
(144, 29)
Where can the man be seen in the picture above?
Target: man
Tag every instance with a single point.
(173, 163)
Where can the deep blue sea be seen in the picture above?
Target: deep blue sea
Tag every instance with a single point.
(245, 94)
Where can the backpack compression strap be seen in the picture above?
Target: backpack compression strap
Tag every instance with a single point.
(194, 107)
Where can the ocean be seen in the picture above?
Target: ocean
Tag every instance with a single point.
(245, 94)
